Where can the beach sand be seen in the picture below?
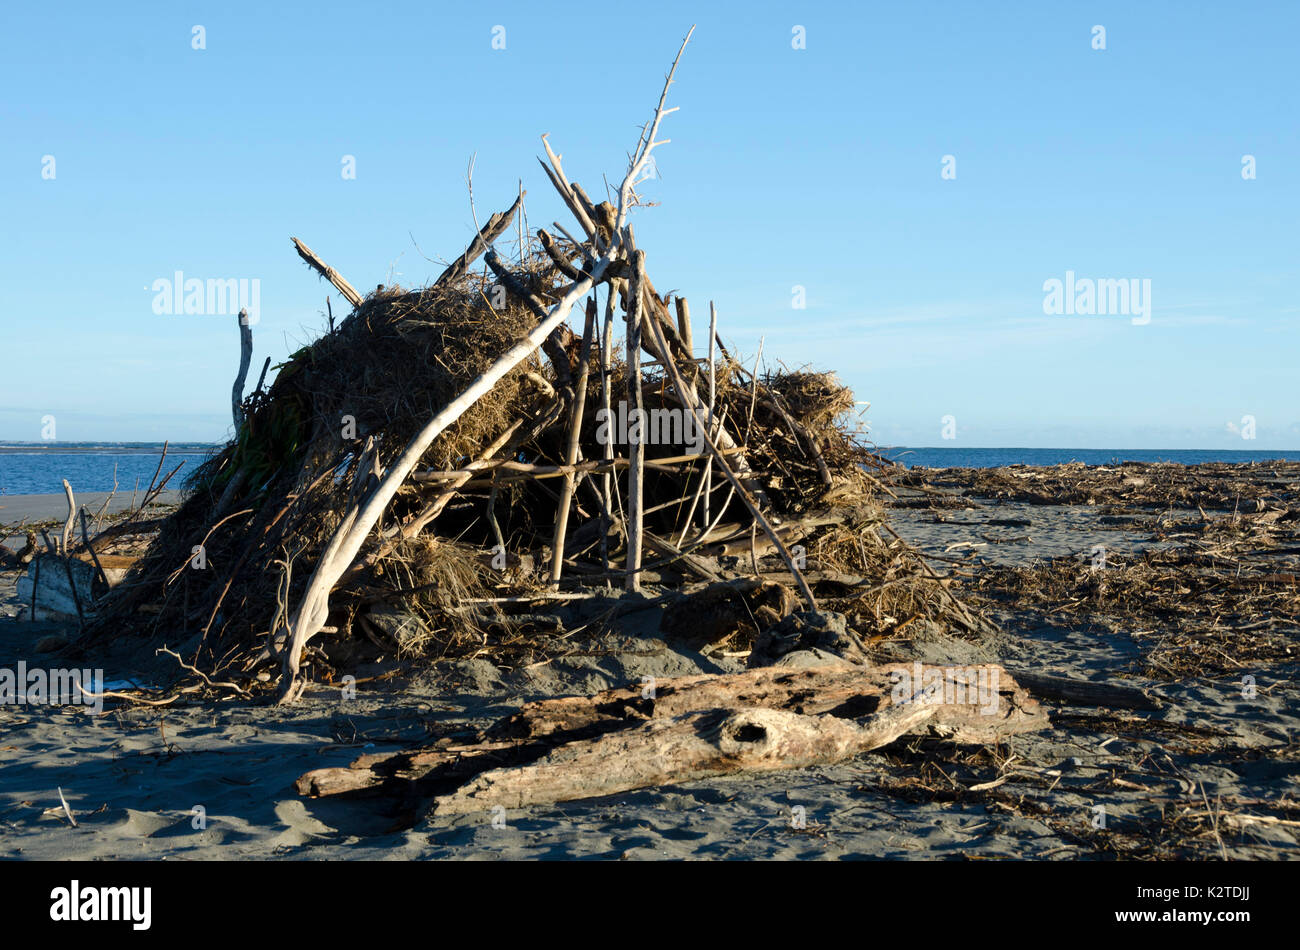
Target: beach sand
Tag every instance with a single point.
(1169, 782)
(19, 511)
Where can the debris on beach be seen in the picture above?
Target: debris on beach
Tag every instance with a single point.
(454, 472)
(448, 467)
(690, 728)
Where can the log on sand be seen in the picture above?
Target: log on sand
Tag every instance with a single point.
(691, 727)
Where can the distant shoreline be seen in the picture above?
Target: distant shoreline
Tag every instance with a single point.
(107, 448)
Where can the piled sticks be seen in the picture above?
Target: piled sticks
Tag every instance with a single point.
(423, 453)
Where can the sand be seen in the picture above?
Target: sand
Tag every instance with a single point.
(215, 782)
(21, 510)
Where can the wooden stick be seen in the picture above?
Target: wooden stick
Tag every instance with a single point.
(552, 345)
(553, 251)
(606, 373)
(261, 380)
(635, 410)
(526, 470)
(334, 277)
(245, 358)
(561, 183)
(571, 450)
(66, 538)
(495, 227)
(646, 145)
(85, 539)
(684, 326)
(713, 399)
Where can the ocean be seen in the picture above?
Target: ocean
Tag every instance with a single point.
(952, 457)
(32, 469)
(38, 469)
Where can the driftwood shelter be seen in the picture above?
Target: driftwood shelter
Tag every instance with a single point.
(434, 470)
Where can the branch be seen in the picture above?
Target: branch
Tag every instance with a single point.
(245, 358)
(329, 273)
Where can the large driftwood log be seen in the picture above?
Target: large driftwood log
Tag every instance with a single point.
(806, 706)
(668, 752)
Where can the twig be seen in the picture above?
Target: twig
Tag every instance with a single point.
(208, 681)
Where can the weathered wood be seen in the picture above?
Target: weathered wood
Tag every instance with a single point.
(1087, 693)
(571, 449)
(684, 326)
(65, 540)
(553, 344)
(334, 277)
(635, 410)
(960, 711)
(245, 359)
(357, 522)
(695, 746)
(495, 227)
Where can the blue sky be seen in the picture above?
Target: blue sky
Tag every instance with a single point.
(817, 168)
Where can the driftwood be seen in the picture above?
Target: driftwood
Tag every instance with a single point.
(495, 227)
(692, 727)
(344, 547)
(345, 506)
(694, 746)
(571, 449)
(749, 501)
(245, 358)
(334, 277)
(362, 515)
(1087, 693)
(636, 473)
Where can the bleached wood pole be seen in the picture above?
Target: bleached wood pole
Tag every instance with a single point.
(713, 396)
(343, 548)
(571, 450)
(606, 377)
(66, 539)
(636, 423)
(245, 359)
(684, 326)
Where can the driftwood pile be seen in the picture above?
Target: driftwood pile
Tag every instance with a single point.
(444, 460)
